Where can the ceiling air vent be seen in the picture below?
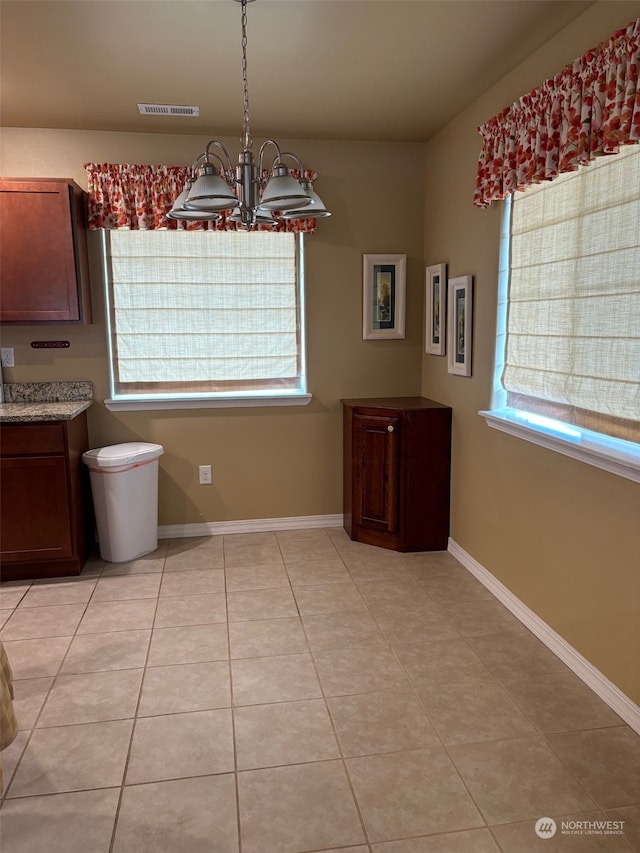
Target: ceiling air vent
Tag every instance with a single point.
(167, 110)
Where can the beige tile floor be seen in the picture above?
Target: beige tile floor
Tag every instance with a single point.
(295, 691)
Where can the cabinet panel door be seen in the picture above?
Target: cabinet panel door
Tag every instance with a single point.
(376, 472)
(38, 253)
(35, 522)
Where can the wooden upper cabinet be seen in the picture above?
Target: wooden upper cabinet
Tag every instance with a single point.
(44, 270)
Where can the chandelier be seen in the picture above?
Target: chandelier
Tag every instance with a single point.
(255, 193)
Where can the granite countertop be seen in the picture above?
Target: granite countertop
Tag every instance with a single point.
(45, 401)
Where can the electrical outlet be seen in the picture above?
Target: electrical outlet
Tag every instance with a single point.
(7, 357)
(204, 472)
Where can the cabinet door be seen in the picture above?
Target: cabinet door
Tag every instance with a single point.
(43, 272)
(375, 475)
(35, 523)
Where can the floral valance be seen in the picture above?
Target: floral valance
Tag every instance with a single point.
(139, 197)
(590, 108)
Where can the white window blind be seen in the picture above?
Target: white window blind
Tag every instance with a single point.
(204, 313)
(573, 323)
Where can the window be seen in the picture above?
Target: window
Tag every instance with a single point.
(568, 354)
(205, 318)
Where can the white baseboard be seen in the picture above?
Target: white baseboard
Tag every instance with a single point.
(592, 677)
(252, 525)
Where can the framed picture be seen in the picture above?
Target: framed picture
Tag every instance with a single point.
(383, 296)
(460, 325)
(435, 300)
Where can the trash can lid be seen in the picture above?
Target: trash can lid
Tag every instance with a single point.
(122, 454)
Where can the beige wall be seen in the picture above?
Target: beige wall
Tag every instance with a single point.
(273, 462)
(562, 535)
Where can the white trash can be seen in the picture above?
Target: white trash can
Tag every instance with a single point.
(124, 485)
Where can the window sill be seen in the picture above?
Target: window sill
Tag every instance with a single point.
(611, 454)
(131, 404)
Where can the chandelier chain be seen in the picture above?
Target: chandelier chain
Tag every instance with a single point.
(246, 132)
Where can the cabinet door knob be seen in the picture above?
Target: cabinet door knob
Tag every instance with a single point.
(389, 428)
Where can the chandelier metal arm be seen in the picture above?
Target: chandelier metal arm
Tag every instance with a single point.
(297, 160)
(276, 160)
(207, 154)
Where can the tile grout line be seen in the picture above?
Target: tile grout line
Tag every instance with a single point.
(53, 682)
(444, 745)
(331, 720)
(122, 785)
(421, 704)
(538, 732)
(327, 711)
(236, 775)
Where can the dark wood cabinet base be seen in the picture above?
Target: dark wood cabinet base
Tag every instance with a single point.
(397, 467)
(46, 510)
(38, 571)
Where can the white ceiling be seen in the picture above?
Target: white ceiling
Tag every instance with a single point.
(320, 69)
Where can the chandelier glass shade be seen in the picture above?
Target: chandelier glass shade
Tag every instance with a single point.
(181, 212)
(256, 191)
(316, 209)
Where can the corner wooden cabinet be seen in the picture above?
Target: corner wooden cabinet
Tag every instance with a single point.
(46, 510)
(397, 465)
(44, 269)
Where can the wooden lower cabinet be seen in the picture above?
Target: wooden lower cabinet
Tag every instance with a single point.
(46, 518)
(397, 468)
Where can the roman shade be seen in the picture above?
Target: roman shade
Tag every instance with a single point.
(202, 314)
(573, 325)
